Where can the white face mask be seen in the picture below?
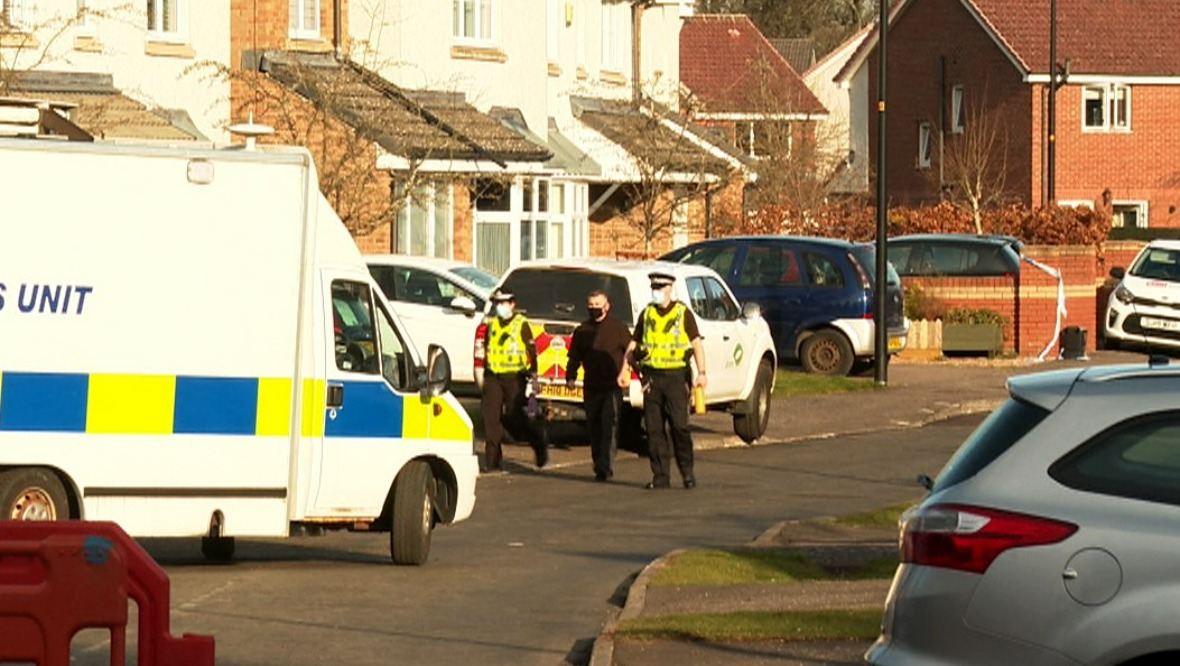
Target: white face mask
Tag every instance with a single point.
(503, 311)
(657, 296)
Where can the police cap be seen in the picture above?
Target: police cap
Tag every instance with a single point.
(661, 280)
(501, 296)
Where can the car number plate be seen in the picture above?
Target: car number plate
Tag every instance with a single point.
(894, 344)
(1160, 324)
(561, 392)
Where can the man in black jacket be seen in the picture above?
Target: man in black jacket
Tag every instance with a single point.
(597, 347)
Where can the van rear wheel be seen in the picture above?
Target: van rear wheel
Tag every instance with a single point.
(413, 514)
(32, 493)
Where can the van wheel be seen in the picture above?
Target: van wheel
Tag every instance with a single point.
(752, 425)
(413, 514)
(632, 436)
(217, 548)
(32, 493)
(827, 353)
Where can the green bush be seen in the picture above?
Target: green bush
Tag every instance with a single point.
(972, 316)
(920, 305)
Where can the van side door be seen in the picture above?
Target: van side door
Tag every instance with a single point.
(370, 377)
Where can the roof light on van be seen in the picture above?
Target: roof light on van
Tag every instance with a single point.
(200, 172)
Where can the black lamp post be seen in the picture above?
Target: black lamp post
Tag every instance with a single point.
(881, 337)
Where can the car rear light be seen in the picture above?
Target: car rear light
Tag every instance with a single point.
(865, 283)
(481, 334)
(968, 538)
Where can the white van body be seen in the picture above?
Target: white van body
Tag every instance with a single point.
(171, 351)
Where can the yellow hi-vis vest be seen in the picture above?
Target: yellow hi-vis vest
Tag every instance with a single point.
(664, 338)
(506, 349)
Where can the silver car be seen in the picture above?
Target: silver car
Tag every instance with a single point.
(1053, 534)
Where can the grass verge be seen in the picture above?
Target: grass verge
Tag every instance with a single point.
(791, 384)
(759, 566)
(886, 517)
(822, 625)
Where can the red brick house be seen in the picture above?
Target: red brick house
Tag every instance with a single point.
(957, 63)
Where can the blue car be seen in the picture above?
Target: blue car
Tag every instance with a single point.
(817, 294)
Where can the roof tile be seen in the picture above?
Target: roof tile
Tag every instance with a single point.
(728, 64)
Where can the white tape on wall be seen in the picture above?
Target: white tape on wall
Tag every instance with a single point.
(1061, 312)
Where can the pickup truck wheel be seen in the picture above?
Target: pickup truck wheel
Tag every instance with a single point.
(827, 353)
(32, 493)
(413, 514)
(752, 425)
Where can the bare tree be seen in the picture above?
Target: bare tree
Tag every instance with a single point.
(973, 172)
(675, 164)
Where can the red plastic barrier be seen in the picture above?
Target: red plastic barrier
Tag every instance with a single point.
(58, 578)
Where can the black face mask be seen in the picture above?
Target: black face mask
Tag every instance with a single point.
(595, 313)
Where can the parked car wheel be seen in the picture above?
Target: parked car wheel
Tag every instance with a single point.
(752, 425)
(827, 352)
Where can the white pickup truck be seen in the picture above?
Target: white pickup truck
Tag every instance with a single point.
(740, 352)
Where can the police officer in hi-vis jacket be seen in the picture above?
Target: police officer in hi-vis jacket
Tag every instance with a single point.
(666, 338)
(511, 361)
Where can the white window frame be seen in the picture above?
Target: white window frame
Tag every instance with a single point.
(1116, 107)
(296, 15)
(958, 113)
(15, 14)
(485, 23)
(925, 141)
(435, 198)
(1140, 207)
(157, 32)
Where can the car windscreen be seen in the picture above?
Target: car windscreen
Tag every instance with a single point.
(866, 255)
(476, 277)
(560, 293)
(1158, 263)
(1004, 427)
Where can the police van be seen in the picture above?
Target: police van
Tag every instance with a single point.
(191, 345)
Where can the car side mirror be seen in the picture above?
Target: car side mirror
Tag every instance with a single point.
(438, 373)
(462, 304)
(1118, 272)
(751, 311)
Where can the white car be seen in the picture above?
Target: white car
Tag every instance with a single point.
(740, 353)
(1144, 309)
(440, 301)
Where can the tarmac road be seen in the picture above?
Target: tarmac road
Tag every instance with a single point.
(529, 579)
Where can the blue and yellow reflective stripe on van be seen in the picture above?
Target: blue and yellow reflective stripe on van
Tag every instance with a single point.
(173, 404)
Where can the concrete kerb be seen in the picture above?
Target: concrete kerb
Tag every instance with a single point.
(602, 654)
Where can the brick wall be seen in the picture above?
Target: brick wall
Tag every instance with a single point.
(263, 24)
(1139, 165)
(1031, 318)
(933, 46)
(621, 236)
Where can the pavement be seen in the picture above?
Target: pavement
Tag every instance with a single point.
(919, 390)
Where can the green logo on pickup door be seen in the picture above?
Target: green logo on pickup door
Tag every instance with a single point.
(737, 355)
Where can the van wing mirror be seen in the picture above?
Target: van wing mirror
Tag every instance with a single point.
(438, 372)
(751, 310)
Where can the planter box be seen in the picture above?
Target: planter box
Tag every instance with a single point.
(987, 338)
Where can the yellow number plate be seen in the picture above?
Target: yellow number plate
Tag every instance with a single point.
(894, 344)
(561, 392)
